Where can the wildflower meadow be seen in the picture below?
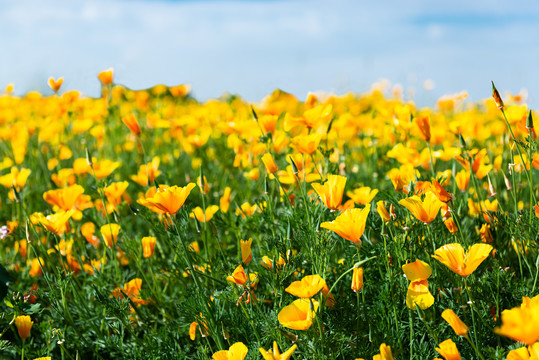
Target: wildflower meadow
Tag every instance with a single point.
(144, 224)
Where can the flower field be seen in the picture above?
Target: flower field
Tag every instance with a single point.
(148, 225)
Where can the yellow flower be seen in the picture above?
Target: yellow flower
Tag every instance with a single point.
(56, 223)
(385, 353)
(362, 195)
(65, 198)
(453, 256)
(204, 216)
(382, 211)
(332, 190)
(451, 226)
(24, 325)
(275, 354)
(299, 315)
(350, 224)
(110, 234)
(307, 287)
(448, 350)
(423, 125)
(16, 178)
(238, 276)
(35, 267)
(452, 319)
(167, 200)
(357, 279)
(237, 351)
(224, 201)
(424, 210)
(521, 323)
(523, 353)
(418, 291)
(148, 245)
(55, 84)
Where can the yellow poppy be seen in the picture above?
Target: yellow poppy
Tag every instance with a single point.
(332, 190)
(448, 350)
(299, 315)
(350, 224)
(521, 323)
(460, 328)
(167, 200)
(423, 210)
(237, 351)
(307, 287)
(24, 325)
(275, 354)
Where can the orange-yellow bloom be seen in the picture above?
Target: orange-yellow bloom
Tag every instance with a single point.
(463, 179)
(306, 144)
(362, 195)
(55, 84)
(56, 223)
(453, 256)
(270, 164)
(523, 353)
(460, 328)
(110, 233)
(224, 201)
(451, 226)
(35, 267)
(204, 216)
(246, 256)
(357, 279)
(350, 224)
(238, 276)
(24, 325)
(382, 211)
(106, 76)
(385, 353)
(423, 125)
(237, 351)
(448, 350)
(424, 210)
(307, 287)
(167, 200)
(148, 245)
(275, 354)
(132, 123)
(299, 315)
(418, 291)
(440, 192)
(521, 323)
(332, 190)
(65, 198)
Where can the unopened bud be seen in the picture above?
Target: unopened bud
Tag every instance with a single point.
(507, 182)
(225, 333)
(266, 185)
(294, 166)
(197, 225)
(255, 116)
(529, 121)
(462, 142)
(28, 234)
(491, 189)
(88, 158)
(496, 96)
(290, 336)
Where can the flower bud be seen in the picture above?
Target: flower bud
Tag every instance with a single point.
(496, 96)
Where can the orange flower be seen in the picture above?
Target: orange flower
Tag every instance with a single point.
(418, 291)
(16, 178)
(423, 124)
(275, 354)
(148, 245)
(440, 192)
(24, 325)
(65, 198)
(132, 123)
(451, 226)
(350, 224)
(132, 290)
(357, 279)
(147, 172)
(299, 315)
(523, 353)
(452, 319)
(105, 76)
(453, 256)
(306, 144)
(521, 323)
(332, 190)
(167, 200)
(424, 210)
(55, 84)
(237, 351)
(448, 350)
(87, 230)
(238, 276)
(246, 256)
(308, 287)
(35, 267)
(110, 233)
(270, 164)
(362, 195)
(486, 235)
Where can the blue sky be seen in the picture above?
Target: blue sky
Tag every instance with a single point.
(253, 47)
